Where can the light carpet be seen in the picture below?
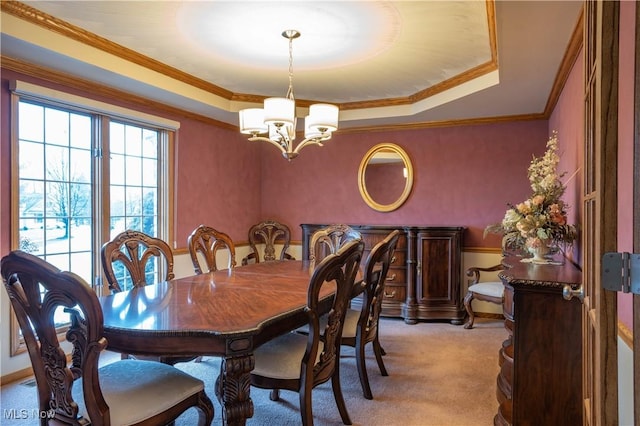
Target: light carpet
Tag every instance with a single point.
(439, 375)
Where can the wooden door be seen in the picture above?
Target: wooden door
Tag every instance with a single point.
(599, 230)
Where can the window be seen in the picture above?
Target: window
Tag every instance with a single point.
(55, 176)
(71, 198)
(133, 165)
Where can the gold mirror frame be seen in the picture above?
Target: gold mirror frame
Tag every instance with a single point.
(366, 196)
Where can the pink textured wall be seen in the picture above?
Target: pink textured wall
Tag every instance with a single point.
(625, 146)
(218, 181)
(463, 175)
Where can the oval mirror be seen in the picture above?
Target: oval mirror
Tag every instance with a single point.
(385, 177)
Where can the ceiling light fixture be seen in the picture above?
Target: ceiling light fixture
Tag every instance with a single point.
(278, 119)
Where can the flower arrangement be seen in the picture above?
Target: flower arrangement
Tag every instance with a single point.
(540, 220)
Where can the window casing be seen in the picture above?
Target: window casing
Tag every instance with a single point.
(80, 176)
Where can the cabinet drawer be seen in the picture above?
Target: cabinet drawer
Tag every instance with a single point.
(399, 259)
(397, 276)
(395, 293)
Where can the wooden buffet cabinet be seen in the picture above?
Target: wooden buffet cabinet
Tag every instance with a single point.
(423, 282)
(540, 379)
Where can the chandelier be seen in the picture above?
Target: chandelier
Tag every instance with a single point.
(277, 118)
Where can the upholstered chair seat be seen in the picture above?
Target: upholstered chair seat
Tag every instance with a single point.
(158, 387)
(492, 288)
(280, 357)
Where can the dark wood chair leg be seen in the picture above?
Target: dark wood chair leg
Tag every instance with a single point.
(378, 351)
(306, 411)
(362, 370)
(467, 305)
(274, 395)
(337, 394)
(205, 409)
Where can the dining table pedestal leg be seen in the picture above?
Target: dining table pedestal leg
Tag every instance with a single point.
(232, 389)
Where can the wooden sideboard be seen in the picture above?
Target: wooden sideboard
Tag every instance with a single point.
(423, 282)
(540, 379)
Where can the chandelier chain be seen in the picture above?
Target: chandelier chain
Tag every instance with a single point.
(290, 91)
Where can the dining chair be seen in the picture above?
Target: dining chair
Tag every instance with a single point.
(133, 259)
(361, 325)
(299, 362)
(205, 242)
(269, 233)
(328, 240)
(487, 291)
(124, 392)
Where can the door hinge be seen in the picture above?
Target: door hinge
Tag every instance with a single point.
(621, 272)
(97, 152)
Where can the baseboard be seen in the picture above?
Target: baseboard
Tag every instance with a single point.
(488, 315)
(16, 375)
(625, 333)
(21, 374)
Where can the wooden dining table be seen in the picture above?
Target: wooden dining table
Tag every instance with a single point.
(227, 313)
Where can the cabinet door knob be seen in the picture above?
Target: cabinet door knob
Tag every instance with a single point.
(568, 293)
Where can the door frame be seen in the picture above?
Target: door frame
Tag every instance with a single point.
(600, 197)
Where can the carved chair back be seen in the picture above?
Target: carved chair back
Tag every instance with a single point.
(37, 290)
(269, 233)
(206, 241)
(135, 259)
(328, 240)
(375, 276)
(340, 267)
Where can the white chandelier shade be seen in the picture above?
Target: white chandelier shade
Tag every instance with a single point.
(322, 117)
(252, 121)
(279, 111)
(277, 118)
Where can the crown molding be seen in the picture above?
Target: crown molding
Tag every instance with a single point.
(52, 76)
(51, 23)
